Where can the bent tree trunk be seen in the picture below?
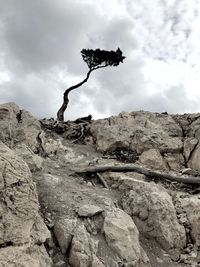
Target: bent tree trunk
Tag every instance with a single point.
(60, 113)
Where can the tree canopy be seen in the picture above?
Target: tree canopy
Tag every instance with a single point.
(102, 58)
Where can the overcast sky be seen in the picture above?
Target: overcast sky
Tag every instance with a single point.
(41, 40)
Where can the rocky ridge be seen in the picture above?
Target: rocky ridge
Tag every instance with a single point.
(102, 219)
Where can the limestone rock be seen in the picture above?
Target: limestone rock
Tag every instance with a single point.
(189, 145)
(89, 210)
(138, 131)
(8, 122)
(64, 231)
(152, 159)
(195, 159)
(18, 126)
(122, 181)
(191, 205)
(122, 237)
(83, 248)
(20, 223)
(24, 256)
(154, 214)
(34, 161)
(174, 161)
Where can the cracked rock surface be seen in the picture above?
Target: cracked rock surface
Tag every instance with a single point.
(51, 216)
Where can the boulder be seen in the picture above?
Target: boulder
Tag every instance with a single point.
(33, 160)
(89, 210)
(20, 223)
(188, 147)
(152, 210)
(139, 131)
(195, 159)
(191, 206)
(24, 256)
(83, 248)
(174, 161)
(18, 126)
(64, 230)
(122, 237)
(152, 159)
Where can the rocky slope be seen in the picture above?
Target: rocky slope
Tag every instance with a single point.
(105, 219)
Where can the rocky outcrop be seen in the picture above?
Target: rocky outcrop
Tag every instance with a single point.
(139, 131)
(18, 126)
(100, 239)
(33, 160)
(151, 208)
(122, 237)
(98, 219)
(22, 231)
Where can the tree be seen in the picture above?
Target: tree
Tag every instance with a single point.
(95, 59)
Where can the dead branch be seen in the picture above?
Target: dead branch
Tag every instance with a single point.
(102, 180)
(142, 170)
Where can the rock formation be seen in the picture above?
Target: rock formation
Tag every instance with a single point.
(52, 216)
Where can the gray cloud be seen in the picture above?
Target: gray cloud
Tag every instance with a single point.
(41, 39)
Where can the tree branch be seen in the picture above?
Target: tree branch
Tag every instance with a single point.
(60, 113)
(142, 170)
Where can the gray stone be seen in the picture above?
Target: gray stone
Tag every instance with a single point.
(122, 237)
(154, 214)
(20, 223)
(34, 161)
(191, 205)
(139, 131)
(89, 210)
(189, 145)
(18, 127)
(152, 159)
(24, 256)
(64, 231)
(83, 248)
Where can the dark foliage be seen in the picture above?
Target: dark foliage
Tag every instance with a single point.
(102, 58)
(124, 155)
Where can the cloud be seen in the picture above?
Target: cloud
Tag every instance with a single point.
(41, 40)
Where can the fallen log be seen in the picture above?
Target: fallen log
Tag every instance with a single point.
(142, 170)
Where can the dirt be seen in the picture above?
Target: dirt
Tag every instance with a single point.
(61, 192)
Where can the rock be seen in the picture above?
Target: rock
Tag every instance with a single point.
(191, 205)
(174, 161)
(89, 210)
(34, 161)
(83, 248)
(194, 159)
(138, 131)
(122, 237)
(152, 159)
(189, 171)
(64, 231)
(20, 223)
(18, 126)
(96, 262)
(24, 256)
(61, 263)
(8, 123)
(188, 147)
(153, 212)
(122, 181)
(191, 144)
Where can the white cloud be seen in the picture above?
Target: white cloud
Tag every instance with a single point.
(40, 43)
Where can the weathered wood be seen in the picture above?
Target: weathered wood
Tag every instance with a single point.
(142, 170)
(102, 180)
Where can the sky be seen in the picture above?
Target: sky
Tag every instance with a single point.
(41, 40)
